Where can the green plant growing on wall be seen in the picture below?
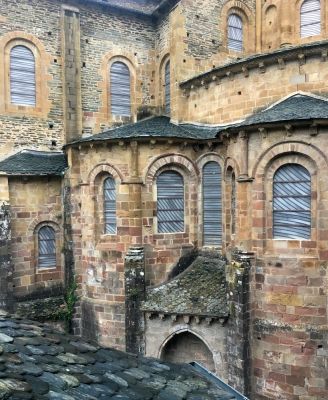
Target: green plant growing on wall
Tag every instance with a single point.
(70, 298)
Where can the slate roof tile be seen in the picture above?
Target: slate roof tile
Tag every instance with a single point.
(80, 376)
(34, 163)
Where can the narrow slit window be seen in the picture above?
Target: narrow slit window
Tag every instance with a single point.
(22, 76)
(292, 203)
(47, 247)
(170, 202)
(167, 88)
(212, 204)
(233, 203)
(310, 18)
(110, 206)
(235, 32)
(120, 89)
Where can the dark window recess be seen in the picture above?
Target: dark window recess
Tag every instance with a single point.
(310, 18)
(120, 89)
(170, 202)
(47, 247)
(235, 32)
(212, 204)
(292, 203)
(110, 206)
(233, 203)
(167, 88)
(22, 76)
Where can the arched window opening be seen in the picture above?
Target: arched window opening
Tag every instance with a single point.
(233, 203)
(22, 76)
(170, 202)
(120, 89)
(167, 88)
(110, 206)
(310, 18)
(212, 204)
(186, 347)
(47, 247)
(292, 203)
(235, 32)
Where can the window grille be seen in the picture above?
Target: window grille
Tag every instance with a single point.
(292, 203)
(167, 88)
(47, 247)
(120, 89)
(212, 204)
(235, 32)
(22, 76)
(170, 202)
(310, 18)
(110, 206)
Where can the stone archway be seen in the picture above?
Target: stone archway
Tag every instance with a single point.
(185, 347)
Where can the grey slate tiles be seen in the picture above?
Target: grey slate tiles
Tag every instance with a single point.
(37, 362)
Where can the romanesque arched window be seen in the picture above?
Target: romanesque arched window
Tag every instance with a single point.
(310, 18)
(212, 204)
(110, 206)
(46, 247)
(167, 85)
(170, 202)
(22, 76)
(292, 202)
(235, 32)
(120, 89)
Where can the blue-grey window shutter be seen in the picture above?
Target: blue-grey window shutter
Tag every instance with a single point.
(110, 206)
(47, 247)
(167, 88)
(235, 32)
(310, 18)
(292, 203)
(120, 89)
(212, 204)
(170, 202)
(22, 76)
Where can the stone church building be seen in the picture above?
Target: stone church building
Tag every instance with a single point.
(170, 156)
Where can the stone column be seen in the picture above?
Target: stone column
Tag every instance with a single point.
(6, 266)
(243, 146)
(286, 22)
(238, 337)
(134, 295)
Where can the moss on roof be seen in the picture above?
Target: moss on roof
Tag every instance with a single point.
(200, 290)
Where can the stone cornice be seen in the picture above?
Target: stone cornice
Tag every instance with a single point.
(258, 61)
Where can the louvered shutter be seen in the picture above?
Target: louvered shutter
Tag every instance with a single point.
(235, 32)
(167, 88)
(292, 203)
(110, 206)
(47, 247)
(120, 89)
(212, 204)
(310, 18)
(22, 76)
(170, 202)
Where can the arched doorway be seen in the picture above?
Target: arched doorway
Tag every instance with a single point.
(186, 347)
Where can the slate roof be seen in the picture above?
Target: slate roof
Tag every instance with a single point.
(37, 362)
(199, 290)
(298, 107)
(35, 163)
(160, 127)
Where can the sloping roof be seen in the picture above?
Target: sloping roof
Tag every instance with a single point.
(35, 163)
(160, 127)
(298, 107)
(199, 290)
(40, 363)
